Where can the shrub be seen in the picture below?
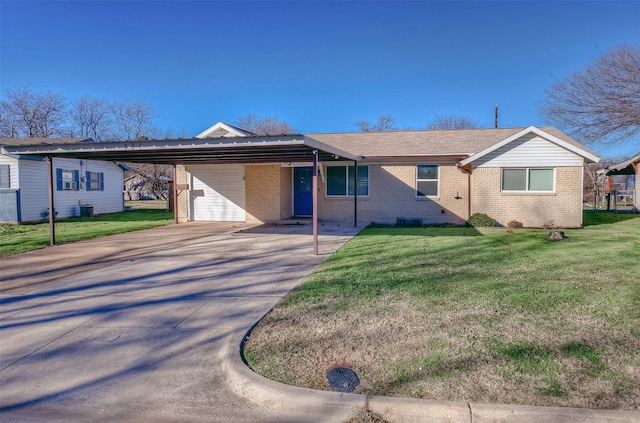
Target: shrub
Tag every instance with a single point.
(514, 224)
(480, 219)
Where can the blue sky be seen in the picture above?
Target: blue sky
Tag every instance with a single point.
(321, 66)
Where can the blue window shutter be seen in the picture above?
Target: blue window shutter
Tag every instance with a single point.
(59, 179)
(76, 179)
(101, 181)
(87, 181)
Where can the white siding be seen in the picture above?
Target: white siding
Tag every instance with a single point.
(34, 189)
(112, 198)
(217, 193)
(530, 151)
(13, 170)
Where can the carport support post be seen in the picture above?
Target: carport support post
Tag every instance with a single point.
(52, 212)
(175, 194)
(314, 195)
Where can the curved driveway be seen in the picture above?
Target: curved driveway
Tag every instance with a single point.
(137, 327)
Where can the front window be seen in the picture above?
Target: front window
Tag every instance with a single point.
(340, 181)
(536, 180)
(427, 180)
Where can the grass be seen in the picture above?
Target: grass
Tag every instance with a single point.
(16, 239)
(469, 314)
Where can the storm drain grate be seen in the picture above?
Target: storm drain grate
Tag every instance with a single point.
(342, 379)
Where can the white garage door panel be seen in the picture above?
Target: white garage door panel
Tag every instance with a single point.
(220, 193)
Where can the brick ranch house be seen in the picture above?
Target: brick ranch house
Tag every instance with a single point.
(532, 175)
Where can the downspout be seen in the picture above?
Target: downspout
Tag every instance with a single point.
(468, 195)
(314, 197)
(355, 194)
(52, 212)
(468, 169)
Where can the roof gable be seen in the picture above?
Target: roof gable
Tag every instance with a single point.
(224, 130)
(574, 147)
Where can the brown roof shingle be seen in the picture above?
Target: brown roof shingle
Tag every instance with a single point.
(455, 142)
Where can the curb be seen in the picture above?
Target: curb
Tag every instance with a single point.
(498, 413)
(290, 402)
(408, 410)
(310, 405)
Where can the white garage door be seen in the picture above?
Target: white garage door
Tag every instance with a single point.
(217, 193)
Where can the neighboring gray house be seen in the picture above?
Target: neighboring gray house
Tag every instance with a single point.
(24, 183)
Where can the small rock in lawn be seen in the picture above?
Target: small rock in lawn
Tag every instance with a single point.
(556, 236)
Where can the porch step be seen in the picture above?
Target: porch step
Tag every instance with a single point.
(295, 221)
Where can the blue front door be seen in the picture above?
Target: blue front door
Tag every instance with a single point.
(302, 191)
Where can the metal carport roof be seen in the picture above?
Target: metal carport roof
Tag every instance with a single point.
(230, 150)
(262, 149)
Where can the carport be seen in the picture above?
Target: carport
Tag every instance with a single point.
(236, 150)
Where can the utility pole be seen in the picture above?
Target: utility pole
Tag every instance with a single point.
(496, 117)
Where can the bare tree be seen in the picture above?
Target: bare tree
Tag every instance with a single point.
(6, 124)
(269, 125)
(154, 179)
(384, 123)
(602, 103)
(172, 134)
(92, 118)
(24, 113)
(133, 120)
(32, 115)
(452, 122)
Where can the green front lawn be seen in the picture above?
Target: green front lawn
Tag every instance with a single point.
(31, 236)
(469, 314)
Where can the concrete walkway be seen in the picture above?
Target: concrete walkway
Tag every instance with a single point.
(146, 327)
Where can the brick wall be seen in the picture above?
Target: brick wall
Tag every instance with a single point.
(562, 208)
(263, 189)
(392, 194)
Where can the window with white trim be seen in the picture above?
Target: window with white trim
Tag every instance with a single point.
(340, 181)
(95, 181)
(427, 180)
(67, 180)
(5, 176)
(528, 179)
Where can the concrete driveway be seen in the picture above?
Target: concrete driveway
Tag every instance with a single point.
(146, 326)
